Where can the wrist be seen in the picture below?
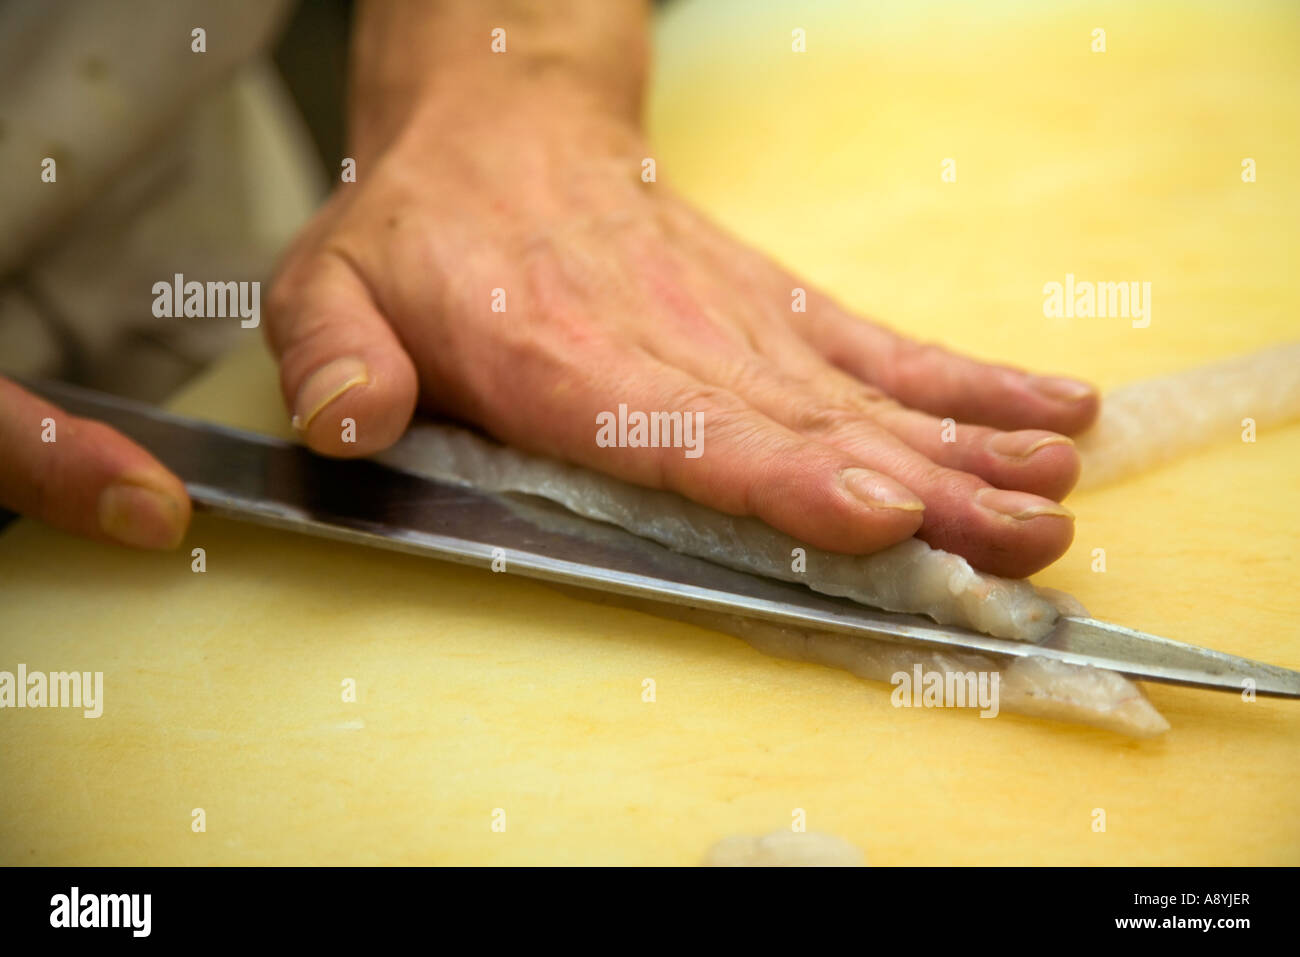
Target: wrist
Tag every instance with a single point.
(457, 105)
(412, 63)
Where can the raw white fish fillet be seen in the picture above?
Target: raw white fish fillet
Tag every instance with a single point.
(1150, 422)
(784, 849)
(908, 577)
(1037, 687)
(1140, 426)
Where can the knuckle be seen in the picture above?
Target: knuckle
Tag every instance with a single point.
(845, 412)
(817, 419)
(719, 402)
(918, 357)
(746, 374)
(54, 474)
(280, 298)
(953, 484)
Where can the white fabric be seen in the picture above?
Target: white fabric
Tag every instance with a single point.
(168, 161)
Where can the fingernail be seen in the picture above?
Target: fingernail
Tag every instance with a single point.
(1061, 390)
(877, 492)
(1021, 445)
(1019, 505)
(324, 386)
(138, 515)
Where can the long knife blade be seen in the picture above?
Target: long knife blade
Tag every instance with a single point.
(267, 481)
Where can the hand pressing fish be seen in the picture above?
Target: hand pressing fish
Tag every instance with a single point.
(1145, 423)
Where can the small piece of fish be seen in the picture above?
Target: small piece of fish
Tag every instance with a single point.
(1150, 422)
(784, 849)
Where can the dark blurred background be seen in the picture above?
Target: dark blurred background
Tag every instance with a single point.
(312, 57)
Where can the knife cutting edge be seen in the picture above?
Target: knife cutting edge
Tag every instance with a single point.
(253, 478)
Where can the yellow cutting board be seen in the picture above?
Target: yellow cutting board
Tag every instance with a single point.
(482, 697)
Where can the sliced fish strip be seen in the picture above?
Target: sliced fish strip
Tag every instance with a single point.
(1147, 423)
(908, 577)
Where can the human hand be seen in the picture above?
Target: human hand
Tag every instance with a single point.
(824, 425)
(84, 477)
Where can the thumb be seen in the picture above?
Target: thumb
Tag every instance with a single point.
(85, 478)
(348, 381)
